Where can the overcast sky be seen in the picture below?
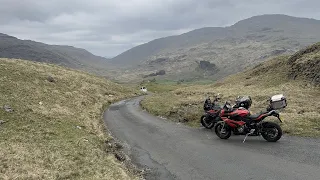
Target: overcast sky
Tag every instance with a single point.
(109, 27)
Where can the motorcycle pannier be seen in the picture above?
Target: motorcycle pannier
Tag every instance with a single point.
(278, 101)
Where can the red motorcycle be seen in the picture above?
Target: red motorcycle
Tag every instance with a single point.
(241, 122)
(212, 110)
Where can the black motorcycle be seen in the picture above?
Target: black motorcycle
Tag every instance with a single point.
(210, 117)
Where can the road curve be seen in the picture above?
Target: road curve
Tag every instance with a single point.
(174, 151)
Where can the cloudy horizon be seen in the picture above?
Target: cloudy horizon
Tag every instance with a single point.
(108, 28)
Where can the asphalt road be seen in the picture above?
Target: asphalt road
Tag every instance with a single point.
(175, 151)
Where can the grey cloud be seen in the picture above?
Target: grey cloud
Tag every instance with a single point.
(110, 27)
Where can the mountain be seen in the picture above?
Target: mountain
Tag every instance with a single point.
(68, 56)
(229, 49)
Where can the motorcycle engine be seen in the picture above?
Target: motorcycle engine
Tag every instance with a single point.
(241, 129)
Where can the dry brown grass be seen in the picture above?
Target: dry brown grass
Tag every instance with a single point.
(301, 117)
(42, 140)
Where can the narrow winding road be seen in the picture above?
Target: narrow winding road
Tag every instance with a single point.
(174, 151)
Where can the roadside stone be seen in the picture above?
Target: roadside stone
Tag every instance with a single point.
(51, 79)
(120, 156)
(118, 146)
(7, 108)
(184, 120)
(109, 141)
(110, 145)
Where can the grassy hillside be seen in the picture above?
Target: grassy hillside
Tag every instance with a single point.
(229, 49)
(56, 129)
(296, 76)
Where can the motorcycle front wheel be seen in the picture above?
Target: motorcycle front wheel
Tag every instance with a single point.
(207, 123)
(271, 131)
(222, 131)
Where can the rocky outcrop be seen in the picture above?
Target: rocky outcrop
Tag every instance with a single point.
(159, 61)
(158, 73)
(207, 67)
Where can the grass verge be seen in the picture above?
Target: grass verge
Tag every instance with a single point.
(56, 130)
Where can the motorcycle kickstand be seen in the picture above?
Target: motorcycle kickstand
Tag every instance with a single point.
(251, 132)
(245, 138)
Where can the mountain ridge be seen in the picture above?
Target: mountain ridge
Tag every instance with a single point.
(65, 55)
(231, 49)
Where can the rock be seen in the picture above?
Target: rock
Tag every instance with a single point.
(161, 72)
(158, 73)
(50, 79)
(161, 61)
(79, 127)
(7, 108)
(40, 103)
(2, 122)
(120, 156)
(110, 140)
(184, 120)
(118, 146)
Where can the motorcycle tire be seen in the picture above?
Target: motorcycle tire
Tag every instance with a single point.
(225, 135)
(205, 124)
(268, 126)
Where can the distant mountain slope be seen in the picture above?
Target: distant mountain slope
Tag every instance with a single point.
(141, 52)
(12, 47)
(231, 49)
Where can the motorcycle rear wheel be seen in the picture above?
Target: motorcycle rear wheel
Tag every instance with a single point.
(222, 135)
(205, 124)
(271, 131)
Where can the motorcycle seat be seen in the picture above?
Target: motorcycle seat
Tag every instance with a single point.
(255, 116)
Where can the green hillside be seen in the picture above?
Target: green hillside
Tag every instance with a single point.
(55, 130)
